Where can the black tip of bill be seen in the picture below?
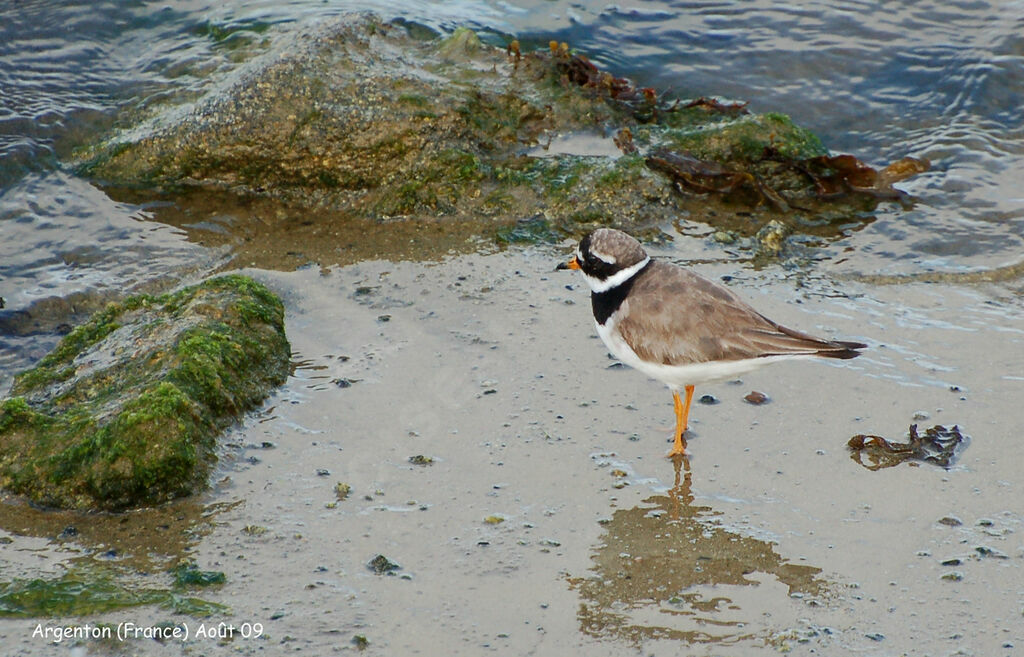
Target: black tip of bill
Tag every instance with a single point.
(562, 265)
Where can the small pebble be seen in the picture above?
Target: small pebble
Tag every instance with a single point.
(708, 400)
(381, 565)
(756, 398)
(724, 237)
(955, 576)
(985, 551)
(950, 521)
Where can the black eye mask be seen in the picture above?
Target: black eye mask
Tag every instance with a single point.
(592, 265)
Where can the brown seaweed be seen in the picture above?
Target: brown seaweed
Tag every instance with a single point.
(643, 102)
(836, 175)
(832, 176)
(691, 174)
(716, 106)
(937, 445)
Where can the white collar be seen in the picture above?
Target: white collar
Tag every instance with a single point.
(616, 279)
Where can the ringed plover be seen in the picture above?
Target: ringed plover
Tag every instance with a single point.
(678, 327)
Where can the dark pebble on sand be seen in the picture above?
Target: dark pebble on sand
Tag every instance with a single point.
(382, 565)
(708, 400)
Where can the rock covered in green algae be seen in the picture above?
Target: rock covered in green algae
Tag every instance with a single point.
(365, 118)
(125, 410)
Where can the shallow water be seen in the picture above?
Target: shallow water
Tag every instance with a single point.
(930, 80)
(487, 363)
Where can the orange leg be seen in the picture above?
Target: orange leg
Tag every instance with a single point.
(682, 414)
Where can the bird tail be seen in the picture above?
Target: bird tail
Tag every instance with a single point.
(841, 350)
(820, 347)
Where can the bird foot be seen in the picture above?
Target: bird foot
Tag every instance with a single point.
(678, 449)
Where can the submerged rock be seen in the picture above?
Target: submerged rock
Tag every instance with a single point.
(125, 410)
(368, 122)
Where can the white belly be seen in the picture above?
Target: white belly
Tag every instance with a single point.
(679, 376)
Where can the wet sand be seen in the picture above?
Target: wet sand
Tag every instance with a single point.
(769, 538)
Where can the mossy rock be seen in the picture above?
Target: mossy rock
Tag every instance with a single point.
(362, 120)
(739, 140)
(125, 410)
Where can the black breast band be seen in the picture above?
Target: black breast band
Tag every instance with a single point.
(607, 302)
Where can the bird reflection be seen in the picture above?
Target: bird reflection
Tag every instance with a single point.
(668, 569)
(680, 493)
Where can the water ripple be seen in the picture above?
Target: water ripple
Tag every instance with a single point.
(932, 79)
(942, 80)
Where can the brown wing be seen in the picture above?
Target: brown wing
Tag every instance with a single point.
(674, 317)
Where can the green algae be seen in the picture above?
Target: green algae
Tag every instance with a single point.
(188, 574)
(232, 37)
(742, 139)
(462, 44)
(536, 230)
(342, 490)
(125, 410)
(83, 592)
